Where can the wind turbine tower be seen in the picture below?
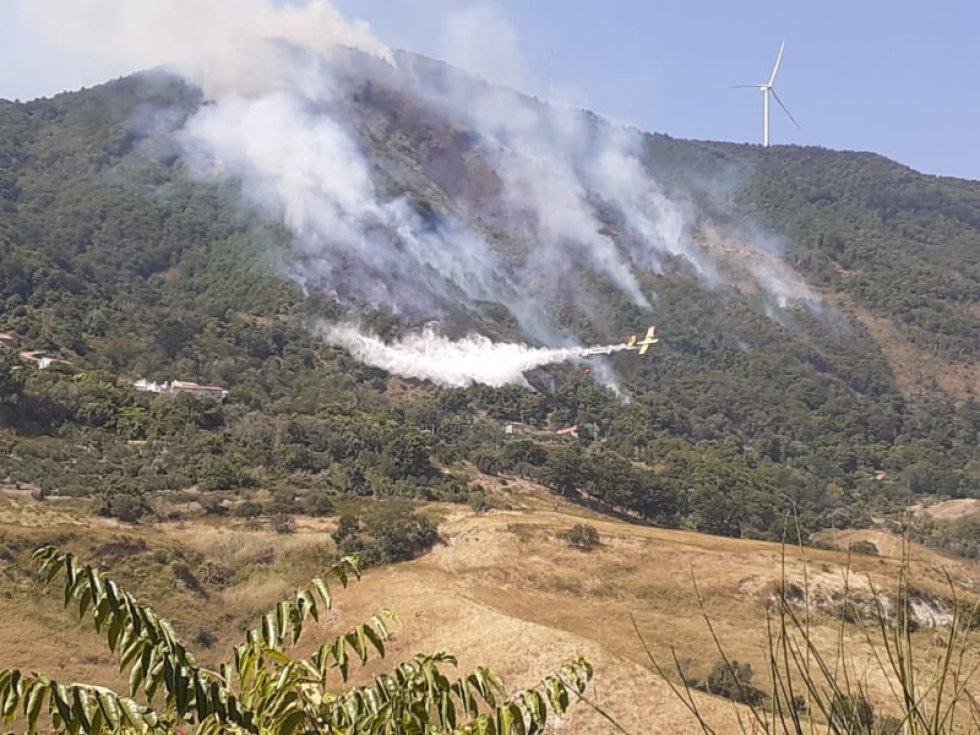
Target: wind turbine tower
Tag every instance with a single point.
(768, 88)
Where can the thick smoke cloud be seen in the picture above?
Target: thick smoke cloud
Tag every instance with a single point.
(351, 242)
(274, 76)
(206, 41)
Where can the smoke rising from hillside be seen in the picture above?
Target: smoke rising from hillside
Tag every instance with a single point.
(559, 166)
(208, 42)
(428, 355)
(351, 242)
(574, 191)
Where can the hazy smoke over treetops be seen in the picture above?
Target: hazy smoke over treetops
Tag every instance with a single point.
(274, 77)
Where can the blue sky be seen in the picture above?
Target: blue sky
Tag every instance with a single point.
(893, 77)
(898, 78)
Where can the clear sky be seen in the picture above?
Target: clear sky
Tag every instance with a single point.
(898, 78)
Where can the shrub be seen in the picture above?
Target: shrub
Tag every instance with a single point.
(582, 536)
(247, 509)
(864, 547)
(126, 507)
(478, 501)
(284, 523)
(524, 531)
(284, 502)
(185, 579)
(733, 680)
(390, 532)
(212, 506)
(399, 533)
(318, 505)
(854, 713)
(205, 638)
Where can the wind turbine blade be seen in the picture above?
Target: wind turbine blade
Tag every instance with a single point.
(747, 86)
(779, 60)
(788, 113)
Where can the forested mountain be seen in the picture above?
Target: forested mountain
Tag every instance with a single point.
(117, 254)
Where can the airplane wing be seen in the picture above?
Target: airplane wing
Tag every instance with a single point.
(649, 340)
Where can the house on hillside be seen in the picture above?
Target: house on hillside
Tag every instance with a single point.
(41, 360)
(568, 431)
(6, 341)
(174, 387)
(205, 391)
(149, 386)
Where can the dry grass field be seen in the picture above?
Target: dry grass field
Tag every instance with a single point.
(503, 590)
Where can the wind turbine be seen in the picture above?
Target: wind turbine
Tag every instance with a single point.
(768, 88)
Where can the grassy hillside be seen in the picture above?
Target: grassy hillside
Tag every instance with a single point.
(502, 589)
(113, 256)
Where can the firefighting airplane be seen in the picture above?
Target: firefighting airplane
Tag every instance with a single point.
(640, 346)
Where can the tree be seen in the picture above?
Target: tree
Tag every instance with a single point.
(406, 454)
(116, 500)
(11, 380)
(563, 471)
(219, 473)
(399, 533)
(262, 688)
(347, 535)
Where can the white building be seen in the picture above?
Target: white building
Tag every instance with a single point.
(41, 360)
(181, 386)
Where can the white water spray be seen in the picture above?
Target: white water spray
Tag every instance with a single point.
(457, 363)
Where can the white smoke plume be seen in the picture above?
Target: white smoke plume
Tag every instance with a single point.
(209, 42)
(271, 72)
(478, 39)
(428, 355)
(556, 164)
(538, 153)
(656, 225)
(351, 242)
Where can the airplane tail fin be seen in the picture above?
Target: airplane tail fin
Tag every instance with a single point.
(631, 342)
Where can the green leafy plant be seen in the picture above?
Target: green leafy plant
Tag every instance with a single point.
(262, 688)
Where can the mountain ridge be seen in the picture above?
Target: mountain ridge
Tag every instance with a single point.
(121, 256)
